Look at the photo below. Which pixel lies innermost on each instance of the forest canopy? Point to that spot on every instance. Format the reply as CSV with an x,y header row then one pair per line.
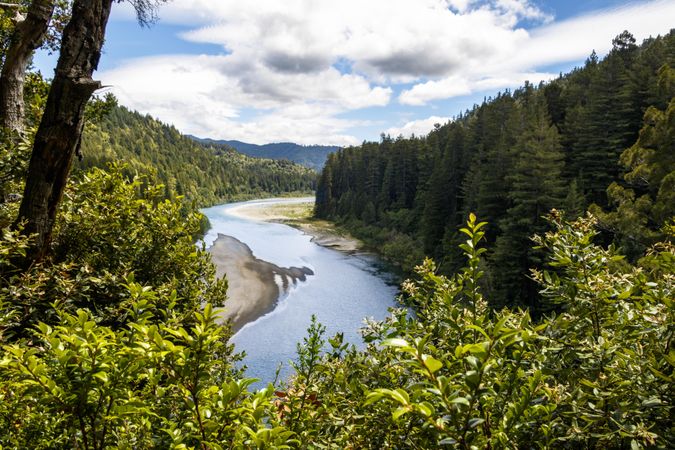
x,y
599,137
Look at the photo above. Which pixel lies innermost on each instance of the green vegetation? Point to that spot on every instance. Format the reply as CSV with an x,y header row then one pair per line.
x,y
456,373
512,159
312,156
108,337
199,172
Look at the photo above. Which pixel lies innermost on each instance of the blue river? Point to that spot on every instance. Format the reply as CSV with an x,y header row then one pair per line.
x,y
343,291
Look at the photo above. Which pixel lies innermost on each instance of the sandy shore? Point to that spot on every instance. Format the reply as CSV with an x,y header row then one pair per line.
x,y
254,285
298,215
253,290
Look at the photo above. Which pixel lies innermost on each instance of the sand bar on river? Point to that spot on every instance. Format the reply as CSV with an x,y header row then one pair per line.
x,y
254,285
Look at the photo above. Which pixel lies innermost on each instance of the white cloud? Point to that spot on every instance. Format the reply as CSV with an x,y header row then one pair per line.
x,y
566,41
423,93
203,95
387,40
276,78
574,39
420,127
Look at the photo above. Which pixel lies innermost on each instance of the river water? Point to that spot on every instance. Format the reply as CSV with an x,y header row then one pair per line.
x,y
343,291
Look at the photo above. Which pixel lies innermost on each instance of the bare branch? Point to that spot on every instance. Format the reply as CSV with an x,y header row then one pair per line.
x,y
9,5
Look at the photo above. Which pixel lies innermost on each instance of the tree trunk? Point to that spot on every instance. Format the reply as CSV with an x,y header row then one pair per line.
x,y
28,35
60,130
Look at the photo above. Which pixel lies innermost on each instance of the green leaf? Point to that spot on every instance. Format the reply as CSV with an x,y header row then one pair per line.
x,y
432,363
398,412
460,401
479,329
373,397
473,423
400,396
425,408
395,342
101,376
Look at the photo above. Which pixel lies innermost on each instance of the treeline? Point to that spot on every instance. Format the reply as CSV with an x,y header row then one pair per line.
x,y
514,158
199,172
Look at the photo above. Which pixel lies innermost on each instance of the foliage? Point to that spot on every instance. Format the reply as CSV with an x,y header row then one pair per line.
x,y
109,231
92,358
455,373
510,160
611,348
83,385
199,172
647,199
460,375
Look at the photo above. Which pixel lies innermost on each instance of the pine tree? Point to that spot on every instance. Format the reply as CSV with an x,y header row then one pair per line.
x,y
647,200
441,205
536,186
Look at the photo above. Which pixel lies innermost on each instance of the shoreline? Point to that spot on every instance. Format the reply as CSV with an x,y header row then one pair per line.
x,y
253,290
255,286
297,215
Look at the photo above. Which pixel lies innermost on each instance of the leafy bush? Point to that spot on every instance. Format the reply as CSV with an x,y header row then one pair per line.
x,y
146,368
455,373
83,385
108,233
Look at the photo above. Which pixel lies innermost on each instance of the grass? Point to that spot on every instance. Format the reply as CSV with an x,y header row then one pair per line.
x,y
301,212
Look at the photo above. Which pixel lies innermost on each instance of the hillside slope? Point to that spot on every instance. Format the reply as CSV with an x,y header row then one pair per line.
x,y
204,173
514,158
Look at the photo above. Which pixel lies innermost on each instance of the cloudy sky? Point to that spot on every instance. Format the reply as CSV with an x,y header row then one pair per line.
x,y
340,72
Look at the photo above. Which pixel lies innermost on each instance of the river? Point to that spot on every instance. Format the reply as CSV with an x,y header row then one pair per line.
x,y
343,291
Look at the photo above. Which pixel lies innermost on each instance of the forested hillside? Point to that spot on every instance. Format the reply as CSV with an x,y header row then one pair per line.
x,y
204,173
312,156
514,158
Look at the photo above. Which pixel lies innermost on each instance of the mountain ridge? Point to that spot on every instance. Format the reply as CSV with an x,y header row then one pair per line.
x,y
312,156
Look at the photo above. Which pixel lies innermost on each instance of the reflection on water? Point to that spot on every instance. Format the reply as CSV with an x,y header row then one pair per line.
x,y
344,290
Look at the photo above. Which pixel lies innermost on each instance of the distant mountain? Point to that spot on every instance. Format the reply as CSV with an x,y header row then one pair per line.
x,y
312,156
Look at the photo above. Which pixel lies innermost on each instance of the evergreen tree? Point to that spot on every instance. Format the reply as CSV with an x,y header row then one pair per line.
x,y
583,121
536,186
647,200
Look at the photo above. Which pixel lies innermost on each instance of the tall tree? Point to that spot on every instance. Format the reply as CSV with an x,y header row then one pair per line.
x,y
536,186
647,198
58,136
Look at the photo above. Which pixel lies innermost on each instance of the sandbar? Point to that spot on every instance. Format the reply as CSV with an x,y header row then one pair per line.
x,y
252,288
298,215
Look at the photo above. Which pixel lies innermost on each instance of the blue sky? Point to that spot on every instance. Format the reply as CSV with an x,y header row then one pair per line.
x,y
327,72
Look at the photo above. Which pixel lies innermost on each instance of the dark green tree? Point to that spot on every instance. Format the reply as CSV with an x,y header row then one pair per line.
x,y
535,187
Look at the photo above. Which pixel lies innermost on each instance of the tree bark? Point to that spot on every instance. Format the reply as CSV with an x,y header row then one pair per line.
x,y
28,35
60,130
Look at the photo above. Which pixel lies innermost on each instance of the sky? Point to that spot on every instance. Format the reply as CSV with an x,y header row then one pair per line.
x,y
341,72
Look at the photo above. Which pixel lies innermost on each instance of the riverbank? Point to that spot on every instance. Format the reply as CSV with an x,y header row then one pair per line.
x,y
345,289
254,285
299,215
